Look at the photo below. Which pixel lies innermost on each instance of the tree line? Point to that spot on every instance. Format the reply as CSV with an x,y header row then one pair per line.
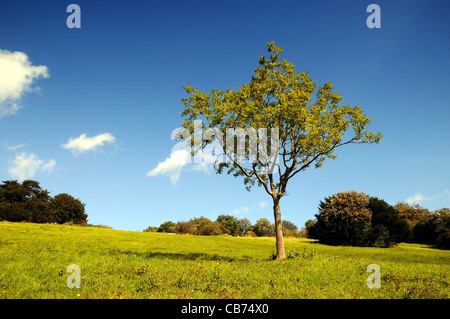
x,y
346,218
352,218
28,202
226,225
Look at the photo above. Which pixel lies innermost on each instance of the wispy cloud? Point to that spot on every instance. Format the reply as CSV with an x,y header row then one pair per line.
x,y
171,166
83,144
25,166
419,197
262,204
16,76
12,147
241,210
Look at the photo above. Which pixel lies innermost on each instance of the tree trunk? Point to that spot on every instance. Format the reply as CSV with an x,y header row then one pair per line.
x,y
278,229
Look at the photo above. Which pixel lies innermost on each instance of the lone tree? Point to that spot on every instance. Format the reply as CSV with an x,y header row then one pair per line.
x,y
277,100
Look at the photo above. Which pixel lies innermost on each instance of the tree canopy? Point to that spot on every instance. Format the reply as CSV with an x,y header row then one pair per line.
x,y
282,112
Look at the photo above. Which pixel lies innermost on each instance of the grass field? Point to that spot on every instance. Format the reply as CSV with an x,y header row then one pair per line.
x,y
123,264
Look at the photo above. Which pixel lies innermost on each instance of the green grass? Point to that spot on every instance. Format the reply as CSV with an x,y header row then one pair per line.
x,y
123,264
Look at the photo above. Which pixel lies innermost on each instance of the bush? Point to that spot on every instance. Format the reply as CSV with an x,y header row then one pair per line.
x,y
28,202
396,229
263,227
412,214
167,227
434,230
343,219
311,229
231,223
150,229
186,228
65,208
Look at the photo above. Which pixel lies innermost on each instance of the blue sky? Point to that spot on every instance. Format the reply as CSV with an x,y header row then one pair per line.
x,y
114,87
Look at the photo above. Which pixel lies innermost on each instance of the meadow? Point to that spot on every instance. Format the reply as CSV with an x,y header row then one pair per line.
x,y
126,264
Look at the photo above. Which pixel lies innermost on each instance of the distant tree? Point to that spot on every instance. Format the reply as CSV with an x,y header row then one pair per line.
x,y
395,229
65,208
231,223
311,229
186,228
25,201
434,230
150,229
263,227
167,227
212,229
412,214
244,225
344,219
289,225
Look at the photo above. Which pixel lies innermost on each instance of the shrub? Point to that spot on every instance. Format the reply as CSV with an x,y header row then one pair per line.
x,y
65,208
231,223
263,227
343,219
150,229
167,227
412,214
212,229
311,229
396,229
435,229
186,228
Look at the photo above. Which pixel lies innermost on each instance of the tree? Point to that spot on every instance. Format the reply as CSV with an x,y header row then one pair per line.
x,y
66,208
231,223
263,227
25,201
244,226
412,214
386,215
212,229
277,101
186,228
167,227
434,230
344,219
311,229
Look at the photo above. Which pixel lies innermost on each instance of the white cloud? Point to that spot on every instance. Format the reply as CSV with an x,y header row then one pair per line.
x,y
25,166
16,76
171,166
84,144
241,210
419,197
262,204
12,147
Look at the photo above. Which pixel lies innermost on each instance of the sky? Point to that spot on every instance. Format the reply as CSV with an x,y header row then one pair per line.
x,y
90,111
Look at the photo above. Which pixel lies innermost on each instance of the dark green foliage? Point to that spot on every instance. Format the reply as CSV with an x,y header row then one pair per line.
x,y
435,229
232,224
66,209
395,229
167,227
201,226
343,219
311,229
28,202
263,228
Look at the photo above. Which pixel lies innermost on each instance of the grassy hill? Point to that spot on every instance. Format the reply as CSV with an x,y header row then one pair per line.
x,y
123,264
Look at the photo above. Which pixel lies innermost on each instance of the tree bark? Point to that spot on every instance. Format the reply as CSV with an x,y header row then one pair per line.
x,y
278,229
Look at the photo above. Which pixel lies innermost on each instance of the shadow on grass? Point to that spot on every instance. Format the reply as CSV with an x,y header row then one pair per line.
x,y
177,256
